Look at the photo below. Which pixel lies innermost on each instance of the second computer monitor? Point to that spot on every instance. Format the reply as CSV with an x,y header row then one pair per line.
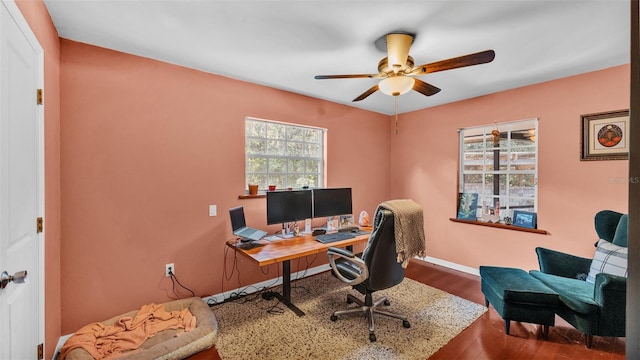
x,y
288,206
331,202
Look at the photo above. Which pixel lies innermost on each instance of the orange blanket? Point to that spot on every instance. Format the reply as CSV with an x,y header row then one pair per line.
x,y
128,333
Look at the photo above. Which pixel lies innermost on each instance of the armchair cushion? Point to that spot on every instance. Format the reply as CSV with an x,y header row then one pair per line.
x,y
575,294
609,259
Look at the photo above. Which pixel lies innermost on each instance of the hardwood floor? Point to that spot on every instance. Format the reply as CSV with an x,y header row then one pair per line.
x,y
485,338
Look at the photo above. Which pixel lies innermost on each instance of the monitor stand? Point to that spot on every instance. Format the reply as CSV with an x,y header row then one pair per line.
x,y
286,233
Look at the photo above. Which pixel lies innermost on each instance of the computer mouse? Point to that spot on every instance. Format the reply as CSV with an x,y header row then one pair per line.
x,y
354,231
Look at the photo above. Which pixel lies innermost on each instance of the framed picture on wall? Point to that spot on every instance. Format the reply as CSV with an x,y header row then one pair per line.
x,y
605,136
525,219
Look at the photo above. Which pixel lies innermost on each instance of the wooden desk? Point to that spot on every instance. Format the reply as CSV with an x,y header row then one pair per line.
x,y
266,252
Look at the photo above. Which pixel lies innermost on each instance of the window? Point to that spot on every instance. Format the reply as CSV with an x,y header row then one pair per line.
x,y
284,155
500,163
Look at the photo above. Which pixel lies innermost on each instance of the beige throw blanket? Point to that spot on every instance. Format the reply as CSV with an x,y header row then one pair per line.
x,y
409,228
128,333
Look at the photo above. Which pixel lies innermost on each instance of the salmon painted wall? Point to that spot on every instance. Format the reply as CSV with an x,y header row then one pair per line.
x,y
146,148
37,16
570,191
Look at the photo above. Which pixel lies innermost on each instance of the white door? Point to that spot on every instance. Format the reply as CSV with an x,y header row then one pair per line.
x,y
21,187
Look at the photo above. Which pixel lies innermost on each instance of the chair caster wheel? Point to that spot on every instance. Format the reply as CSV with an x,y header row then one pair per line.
x,y
387,303
406,324
372,337
333,318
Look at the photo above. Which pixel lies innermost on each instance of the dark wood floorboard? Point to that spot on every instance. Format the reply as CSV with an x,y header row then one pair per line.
x,y
485,338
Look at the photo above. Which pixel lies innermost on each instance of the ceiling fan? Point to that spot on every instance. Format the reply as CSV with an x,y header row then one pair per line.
x,y
398,72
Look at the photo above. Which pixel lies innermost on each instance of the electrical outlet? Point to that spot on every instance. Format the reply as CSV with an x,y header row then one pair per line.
x,y
169,268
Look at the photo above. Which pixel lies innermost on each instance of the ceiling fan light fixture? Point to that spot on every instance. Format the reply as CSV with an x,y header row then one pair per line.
x,y
396,85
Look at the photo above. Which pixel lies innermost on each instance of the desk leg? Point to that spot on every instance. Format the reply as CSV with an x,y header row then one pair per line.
x,y
285,297
286,282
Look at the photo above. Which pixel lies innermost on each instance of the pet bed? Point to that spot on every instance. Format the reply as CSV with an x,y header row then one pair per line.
x,y
165,345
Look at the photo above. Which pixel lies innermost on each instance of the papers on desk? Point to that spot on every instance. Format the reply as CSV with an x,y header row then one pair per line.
x,y
280,237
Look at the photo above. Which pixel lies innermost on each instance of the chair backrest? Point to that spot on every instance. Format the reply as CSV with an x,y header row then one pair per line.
x,y
612,226
380,253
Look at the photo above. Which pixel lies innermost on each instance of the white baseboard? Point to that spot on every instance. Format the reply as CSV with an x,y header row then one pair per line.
x,y
61,342
450,265
250,289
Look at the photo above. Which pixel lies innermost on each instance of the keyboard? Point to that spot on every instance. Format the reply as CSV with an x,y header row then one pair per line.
x,y
333,237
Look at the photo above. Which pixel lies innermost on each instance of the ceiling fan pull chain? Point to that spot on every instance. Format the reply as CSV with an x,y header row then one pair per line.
x,y
396,114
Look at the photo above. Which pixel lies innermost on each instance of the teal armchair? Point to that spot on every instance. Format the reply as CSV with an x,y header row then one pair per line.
x,y
593,308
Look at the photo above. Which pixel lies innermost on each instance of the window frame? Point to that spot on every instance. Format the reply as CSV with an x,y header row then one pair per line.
x,y
484,131
321,159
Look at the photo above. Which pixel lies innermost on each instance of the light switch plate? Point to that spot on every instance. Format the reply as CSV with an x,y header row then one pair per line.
x,y
213,210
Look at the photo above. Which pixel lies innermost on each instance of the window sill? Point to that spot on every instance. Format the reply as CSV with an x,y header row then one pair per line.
x,y
500,226
247,196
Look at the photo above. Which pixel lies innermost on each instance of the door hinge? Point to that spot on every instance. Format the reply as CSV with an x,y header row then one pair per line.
x,y
39,225
40,351
39,97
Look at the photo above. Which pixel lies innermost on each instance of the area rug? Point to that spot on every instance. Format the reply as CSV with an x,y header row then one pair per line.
x,y
254,329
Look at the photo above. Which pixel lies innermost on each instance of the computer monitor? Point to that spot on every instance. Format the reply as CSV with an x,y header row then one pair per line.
x,y
289,205
332,202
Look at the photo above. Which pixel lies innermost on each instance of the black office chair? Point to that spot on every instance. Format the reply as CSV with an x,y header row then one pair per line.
x,y
378,269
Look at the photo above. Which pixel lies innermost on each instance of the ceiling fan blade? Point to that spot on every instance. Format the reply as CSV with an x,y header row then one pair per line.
x,y
362,96
457,62
425,88
353,76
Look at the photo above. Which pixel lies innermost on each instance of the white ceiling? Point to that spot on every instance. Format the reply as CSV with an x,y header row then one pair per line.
x,y
283,44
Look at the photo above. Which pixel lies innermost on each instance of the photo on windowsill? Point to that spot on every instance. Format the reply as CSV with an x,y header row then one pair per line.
x,y
467,206
525,219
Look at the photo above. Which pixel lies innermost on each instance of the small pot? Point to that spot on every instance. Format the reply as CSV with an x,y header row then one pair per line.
x,y
272,187
253,189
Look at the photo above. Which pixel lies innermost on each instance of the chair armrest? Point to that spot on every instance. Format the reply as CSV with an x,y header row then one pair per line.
x,y
340,251
562,264
610,292
345,262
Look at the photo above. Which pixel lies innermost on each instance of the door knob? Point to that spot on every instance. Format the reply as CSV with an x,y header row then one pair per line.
x,y
18,277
